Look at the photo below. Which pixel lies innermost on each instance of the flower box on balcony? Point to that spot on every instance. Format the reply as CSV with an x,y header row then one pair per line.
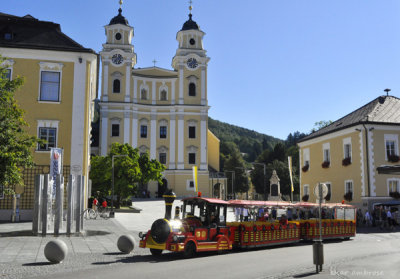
x,y
326,164
305,168
393,158
346,161
305,198
395,195
348,196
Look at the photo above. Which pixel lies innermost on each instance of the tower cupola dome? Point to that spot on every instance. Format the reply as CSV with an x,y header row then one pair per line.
x,y
190,24
119,19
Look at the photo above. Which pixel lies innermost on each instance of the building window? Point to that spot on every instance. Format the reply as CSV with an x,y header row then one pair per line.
x,y
7,74
192,158
192,89
50,86
349,187
115,130
163,95
163,132
347,151
189,185
143,131
390,148
48,135
393,185
143,94
192,132
327,156
306,189
163,158
117,86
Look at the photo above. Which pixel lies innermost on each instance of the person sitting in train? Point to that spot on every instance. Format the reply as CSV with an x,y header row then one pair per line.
x,y
289,214
273,213
283,220
245,214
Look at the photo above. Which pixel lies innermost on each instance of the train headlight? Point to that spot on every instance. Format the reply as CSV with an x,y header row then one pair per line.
x,y
175,238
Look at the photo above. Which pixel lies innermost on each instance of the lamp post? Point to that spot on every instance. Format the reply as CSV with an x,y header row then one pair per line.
x,y
233,178
265,177
112,213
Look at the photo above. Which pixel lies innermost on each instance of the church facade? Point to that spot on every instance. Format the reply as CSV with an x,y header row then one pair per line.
x,y
163,112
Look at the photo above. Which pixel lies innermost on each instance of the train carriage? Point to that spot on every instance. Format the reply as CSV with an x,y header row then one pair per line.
x,y
209,224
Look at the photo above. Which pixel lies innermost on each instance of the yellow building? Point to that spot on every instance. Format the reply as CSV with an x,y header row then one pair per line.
x,y
160,111
348,154
57,96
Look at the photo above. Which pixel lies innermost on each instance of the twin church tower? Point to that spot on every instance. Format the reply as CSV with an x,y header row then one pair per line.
x,y
159,111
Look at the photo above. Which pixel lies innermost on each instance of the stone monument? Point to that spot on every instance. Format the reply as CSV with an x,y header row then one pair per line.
x,y
274,188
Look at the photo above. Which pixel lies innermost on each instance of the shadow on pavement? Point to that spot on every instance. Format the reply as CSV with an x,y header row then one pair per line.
x,y
17,233
38,264
302,275
94,233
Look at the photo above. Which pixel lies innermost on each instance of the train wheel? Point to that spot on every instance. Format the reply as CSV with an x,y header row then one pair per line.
x,y
190,250
155,252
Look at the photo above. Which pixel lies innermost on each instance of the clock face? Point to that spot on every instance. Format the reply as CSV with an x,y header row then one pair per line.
x,y
192,63
117,59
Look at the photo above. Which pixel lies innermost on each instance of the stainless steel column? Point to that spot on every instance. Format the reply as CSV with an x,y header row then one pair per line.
x,y
70,206
37,204
59,204
45,204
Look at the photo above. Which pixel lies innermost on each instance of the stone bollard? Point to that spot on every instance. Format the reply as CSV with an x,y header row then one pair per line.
x,y
126,243
56,251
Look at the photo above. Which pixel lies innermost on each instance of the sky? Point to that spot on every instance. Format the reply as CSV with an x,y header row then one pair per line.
x,y
277,66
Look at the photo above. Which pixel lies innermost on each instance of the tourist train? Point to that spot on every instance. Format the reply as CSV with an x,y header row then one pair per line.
x,y
210,224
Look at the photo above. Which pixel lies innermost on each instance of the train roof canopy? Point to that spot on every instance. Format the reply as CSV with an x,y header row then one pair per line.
x,y
209,200
246,203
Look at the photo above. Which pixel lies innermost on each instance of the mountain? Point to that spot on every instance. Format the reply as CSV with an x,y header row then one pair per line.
x,y
248,141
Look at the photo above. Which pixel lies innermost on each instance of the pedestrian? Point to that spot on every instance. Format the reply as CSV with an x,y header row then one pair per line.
x,y
367,218
383,218
237,214
389,218
95,203
245,214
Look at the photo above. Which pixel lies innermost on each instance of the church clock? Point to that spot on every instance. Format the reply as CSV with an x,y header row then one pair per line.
x,y
192,63
117,59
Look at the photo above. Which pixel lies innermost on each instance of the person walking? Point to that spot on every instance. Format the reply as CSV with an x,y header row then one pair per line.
x,y
367,218
95,203
389,219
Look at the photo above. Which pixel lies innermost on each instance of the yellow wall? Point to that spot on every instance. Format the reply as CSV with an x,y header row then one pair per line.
x,y
213,150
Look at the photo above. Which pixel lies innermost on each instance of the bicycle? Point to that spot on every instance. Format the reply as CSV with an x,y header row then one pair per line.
x,y
104,212
89,213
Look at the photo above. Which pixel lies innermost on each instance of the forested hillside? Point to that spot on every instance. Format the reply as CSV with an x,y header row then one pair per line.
x,y
248,141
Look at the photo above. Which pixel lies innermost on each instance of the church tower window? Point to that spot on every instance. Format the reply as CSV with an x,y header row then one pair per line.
x,y
117,86
143,94
192,89
163,95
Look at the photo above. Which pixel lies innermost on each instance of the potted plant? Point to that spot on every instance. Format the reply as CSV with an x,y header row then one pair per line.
x,y
395,195
305,198
305,168
326,164
393,158
348,196
346,161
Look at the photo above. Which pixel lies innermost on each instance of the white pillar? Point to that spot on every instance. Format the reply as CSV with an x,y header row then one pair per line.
x,y
127,115
153,134
105,81
203,142
128,83
104,132
203,85
180,84
135,92
172,142
173,92
134,128
181,140
153,92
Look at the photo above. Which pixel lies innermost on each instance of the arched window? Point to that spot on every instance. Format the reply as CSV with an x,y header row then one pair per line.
x,y
163,95
192,89
117,86
143,94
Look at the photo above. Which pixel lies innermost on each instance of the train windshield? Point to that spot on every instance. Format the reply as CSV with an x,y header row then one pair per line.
x,y
206,212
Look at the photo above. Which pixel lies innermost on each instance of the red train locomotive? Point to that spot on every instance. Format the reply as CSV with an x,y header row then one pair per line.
x,y
206,224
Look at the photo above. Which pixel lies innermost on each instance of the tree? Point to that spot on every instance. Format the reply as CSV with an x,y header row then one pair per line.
x,y
129,170
320,124
15,143
236,163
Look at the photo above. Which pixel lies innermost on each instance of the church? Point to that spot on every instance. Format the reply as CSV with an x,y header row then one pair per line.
x,y
163,112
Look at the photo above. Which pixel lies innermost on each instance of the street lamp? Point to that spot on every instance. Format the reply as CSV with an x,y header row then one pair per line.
x,y
265,178
233,178
112,213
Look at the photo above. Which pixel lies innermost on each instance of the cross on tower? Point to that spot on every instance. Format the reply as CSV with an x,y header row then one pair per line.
x,y
190,6
154,62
